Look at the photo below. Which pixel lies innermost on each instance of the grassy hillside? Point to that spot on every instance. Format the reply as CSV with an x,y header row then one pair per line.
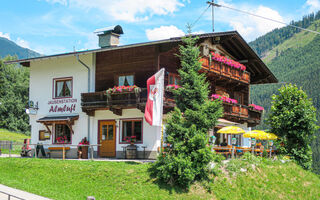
x,y
8,47
17,138
12,136
59,179
295,60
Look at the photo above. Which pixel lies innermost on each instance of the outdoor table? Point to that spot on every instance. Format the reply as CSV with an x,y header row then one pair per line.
x,y
222,150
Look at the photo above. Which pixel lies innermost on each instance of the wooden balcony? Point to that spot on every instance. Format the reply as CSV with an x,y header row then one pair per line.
x,y
241,113
116,102
254,116
91,102
223,70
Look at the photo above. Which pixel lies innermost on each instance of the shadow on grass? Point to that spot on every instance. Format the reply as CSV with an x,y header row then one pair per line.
x,y
132,163
162,185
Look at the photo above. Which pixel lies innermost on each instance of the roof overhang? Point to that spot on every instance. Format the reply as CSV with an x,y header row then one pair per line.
x,y
231,41
59,119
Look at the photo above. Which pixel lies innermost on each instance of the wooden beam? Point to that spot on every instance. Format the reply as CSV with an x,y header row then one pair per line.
x,y
46,125
69,124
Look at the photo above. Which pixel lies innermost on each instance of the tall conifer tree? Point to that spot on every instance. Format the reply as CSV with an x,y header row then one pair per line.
x,y
188,125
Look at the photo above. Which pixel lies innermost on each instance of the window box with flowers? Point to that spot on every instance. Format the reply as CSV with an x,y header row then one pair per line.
x,y
223,99
121,94
256,107
222,59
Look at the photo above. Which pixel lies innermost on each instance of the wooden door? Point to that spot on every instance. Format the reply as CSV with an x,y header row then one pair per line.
x,y
107,137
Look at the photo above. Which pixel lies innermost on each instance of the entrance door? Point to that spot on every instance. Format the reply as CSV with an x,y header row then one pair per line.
x,y
107,135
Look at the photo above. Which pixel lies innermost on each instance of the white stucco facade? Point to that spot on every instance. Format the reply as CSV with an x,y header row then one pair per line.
x,y
43,74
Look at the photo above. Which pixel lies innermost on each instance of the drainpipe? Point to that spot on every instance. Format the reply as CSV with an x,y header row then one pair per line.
x,y
88,68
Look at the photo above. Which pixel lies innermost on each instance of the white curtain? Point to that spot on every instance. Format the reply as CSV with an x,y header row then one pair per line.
x,y
121,80
59,88
130,80
69,86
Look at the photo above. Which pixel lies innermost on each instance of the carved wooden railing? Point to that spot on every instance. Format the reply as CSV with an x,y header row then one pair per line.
x,y
225,70
116,102
236,110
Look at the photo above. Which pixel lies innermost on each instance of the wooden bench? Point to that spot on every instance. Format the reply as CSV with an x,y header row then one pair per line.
x,y
63,149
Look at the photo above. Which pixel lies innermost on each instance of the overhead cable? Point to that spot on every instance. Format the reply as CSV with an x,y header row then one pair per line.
x,y
266,18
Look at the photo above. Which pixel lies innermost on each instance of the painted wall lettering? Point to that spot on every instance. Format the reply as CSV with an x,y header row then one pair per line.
x,y
65,108
61,101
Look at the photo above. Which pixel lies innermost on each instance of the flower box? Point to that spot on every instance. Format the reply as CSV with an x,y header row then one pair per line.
x,y
172,87
224,99
227,61
123,89
256,107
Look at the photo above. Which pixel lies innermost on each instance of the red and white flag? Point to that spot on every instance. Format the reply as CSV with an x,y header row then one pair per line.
x,y
154,106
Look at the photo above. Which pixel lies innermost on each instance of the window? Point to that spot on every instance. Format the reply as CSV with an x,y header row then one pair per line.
x,y
127,80
239,97
62,134
173,79
63,88
132,128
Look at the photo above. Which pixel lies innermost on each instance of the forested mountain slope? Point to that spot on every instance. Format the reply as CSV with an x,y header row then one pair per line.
x,y
293,58
8,47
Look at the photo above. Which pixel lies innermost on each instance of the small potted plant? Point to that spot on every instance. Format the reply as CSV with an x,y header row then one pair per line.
x,y
83,150
131,149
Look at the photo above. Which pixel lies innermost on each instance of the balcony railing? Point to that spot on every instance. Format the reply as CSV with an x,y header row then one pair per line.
x,y
101,100
116,102
225,70
241,113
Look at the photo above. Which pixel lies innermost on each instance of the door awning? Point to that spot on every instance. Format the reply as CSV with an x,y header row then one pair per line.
x,y
60,119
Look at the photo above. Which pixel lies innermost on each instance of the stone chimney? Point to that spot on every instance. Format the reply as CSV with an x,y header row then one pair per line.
x,y
109,36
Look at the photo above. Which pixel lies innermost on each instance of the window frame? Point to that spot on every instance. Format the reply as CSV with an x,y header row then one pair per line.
x,y
121,129
54,87
175,77
54,134
125,74
241,97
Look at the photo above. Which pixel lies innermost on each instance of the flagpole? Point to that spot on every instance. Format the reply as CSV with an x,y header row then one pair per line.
x,y
161,145
161,140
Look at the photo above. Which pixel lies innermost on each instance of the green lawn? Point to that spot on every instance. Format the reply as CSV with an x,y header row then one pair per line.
x,y
73,179
15,137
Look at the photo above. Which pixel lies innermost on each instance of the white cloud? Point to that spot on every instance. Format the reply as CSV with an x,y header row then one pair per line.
x,y
312,5
126,10
5,35
19,41
250,27
22,43
164,32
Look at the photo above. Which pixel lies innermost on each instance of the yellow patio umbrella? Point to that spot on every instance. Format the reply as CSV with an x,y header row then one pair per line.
x,y
260,135
272,136
254,134
231,130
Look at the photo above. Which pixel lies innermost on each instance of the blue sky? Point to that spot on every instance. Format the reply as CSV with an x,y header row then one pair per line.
x,y
58,26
